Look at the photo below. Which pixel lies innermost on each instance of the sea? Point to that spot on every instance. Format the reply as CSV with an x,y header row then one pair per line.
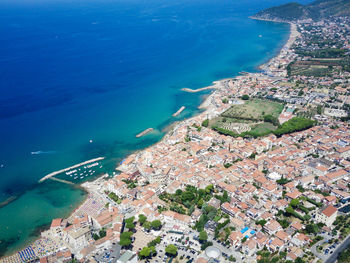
x,y
80,78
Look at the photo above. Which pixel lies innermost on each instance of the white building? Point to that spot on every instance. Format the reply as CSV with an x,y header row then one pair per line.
x,y
327,215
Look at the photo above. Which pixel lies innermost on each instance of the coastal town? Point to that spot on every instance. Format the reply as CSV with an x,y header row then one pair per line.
x,y
261,175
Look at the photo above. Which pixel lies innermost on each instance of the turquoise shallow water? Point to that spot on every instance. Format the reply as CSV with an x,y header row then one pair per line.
x,y
105,70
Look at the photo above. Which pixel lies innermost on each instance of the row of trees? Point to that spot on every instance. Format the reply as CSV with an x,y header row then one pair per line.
x,y
155,224
293,125
150,250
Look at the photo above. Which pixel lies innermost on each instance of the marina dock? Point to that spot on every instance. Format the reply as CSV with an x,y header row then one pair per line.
x,y
179,111
70,168
144,132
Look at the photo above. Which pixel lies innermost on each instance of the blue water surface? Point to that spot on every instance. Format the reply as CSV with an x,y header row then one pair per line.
x,y
104,70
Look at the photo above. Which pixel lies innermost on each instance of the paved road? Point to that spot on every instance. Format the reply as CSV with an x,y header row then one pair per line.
x,y
339,249
314,251
313,248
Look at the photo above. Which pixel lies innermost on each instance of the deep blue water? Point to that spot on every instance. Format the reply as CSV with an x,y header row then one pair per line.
x,y
71,71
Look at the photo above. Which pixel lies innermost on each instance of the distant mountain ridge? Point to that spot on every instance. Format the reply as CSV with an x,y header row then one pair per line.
x,y
316,10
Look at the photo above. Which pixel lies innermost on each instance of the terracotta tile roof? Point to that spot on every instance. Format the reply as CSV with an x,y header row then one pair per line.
x,y
329,211
56,222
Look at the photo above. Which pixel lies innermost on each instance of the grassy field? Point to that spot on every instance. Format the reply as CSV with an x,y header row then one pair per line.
x,y
254,110
263,128
248,119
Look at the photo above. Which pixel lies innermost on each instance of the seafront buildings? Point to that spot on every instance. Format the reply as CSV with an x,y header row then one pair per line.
x,y
197,188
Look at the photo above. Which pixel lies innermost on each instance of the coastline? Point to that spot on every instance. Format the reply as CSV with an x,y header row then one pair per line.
x,y
292,37
38,231
206,105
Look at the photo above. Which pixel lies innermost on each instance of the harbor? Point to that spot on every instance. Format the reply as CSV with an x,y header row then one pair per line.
x,y
68,170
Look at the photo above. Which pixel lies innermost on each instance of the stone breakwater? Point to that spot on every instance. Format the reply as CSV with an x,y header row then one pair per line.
x,y
69,168
144,132
179,111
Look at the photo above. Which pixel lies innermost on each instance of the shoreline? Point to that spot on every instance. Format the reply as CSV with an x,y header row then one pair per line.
x,y
205,106
44,227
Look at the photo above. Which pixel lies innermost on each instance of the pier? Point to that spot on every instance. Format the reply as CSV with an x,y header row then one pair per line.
x,y
144,132
179,111
198,90
69,168
61,180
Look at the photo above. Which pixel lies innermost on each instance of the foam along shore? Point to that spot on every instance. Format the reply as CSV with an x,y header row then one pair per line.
x,y
69,168
179,111
144,132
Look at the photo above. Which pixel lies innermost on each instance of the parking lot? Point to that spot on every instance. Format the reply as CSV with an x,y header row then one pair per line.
x,y
187,251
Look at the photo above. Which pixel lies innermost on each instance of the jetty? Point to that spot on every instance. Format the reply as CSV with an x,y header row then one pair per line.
x,y
144,132
198,90
69,168
60,180
179,111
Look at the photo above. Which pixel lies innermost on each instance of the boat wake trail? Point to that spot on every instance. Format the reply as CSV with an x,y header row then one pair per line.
x,y
43,152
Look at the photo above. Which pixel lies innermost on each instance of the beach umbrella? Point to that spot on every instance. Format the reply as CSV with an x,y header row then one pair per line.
x,y
21,256
31,251
26,254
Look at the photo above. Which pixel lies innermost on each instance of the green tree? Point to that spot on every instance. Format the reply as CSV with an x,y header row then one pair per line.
x,y
156,224
299,260
203,236
232,259
126,235
102,233
130,226
142,219
209,189
153,250
147,225
205,123
130,220
145,252
294,202
290,210
261,222
154,242
125,242
171,250
200,203
125,239
245,97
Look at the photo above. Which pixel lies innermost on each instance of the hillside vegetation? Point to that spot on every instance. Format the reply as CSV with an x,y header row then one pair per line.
x,y
316,10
